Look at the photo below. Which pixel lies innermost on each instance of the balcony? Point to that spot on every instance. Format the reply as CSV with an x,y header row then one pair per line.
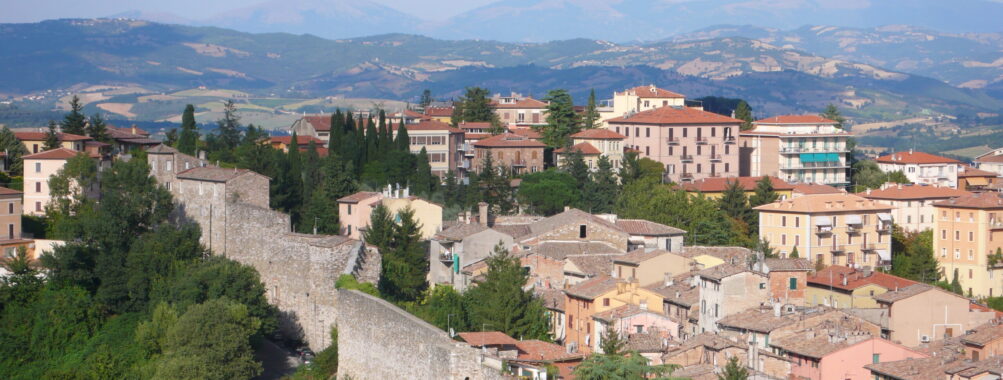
x,y
519,163
837,249
852,230
869,247
465,164
823,230
887,228
715,158
686,158
702,140
808,149
672,140
686,176
995,225
729,139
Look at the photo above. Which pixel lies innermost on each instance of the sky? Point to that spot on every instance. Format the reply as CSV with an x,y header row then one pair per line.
x,y
37,10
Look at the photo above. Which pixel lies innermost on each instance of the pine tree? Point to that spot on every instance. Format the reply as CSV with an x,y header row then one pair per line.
x,y
734,370
380,231
404,265
229,126
13,149
832,113
97,129
403,141
451,190
425,100
591,116
456,117
476,106
956,284
733,201
744,112
496,189
189,136
605,188
422,180
75,122
500,302
764,193
372,142
574,163
794,253
51,137
562,121
611,343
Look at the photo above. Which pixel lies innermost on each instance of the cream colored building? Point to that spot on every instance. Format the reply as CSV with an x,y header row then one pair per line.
x,y
638,99
922,168
650,266
836,229
796,148
38,168
441,141
913,204
354,211
517,110
597,142
967,232
34,142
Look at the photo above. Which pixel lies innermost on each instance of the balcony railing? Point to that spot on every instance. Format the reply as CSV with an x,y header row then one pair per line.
x,y
715,158
702,140
672,140
816,165
824,230
885,229
729,139
465,164
817,149
520,163
686,158
837,249
869,247
853,230
686,176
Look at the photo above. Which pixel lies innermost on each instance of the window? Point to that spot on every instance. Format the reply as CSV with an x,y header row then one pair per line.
x,y
647,132
38,187
943,234
38,206
10,208
971,235
533,154
957,253
349,209
726,165
582,232
684,131
626,131
647,151
605,301
783,221
876,358
957,235
637,131
699,166
943,252
793,283
717,309
971,254
783,239
797,221
10,231
639,328
38,167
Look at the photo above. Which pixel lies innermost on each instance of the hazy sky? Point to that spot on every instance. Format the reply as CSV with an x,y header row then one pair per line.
x,y
36,10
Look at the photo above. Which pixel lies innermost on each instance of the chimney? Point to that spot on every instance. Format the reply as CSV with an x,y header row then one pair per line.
x,y
467,216
566,208
776,310
910,150
668,278
643,305
482,216
844,280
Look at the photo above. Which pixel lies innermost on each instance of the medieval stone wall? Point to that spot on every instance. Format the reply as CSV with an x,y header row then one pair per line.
x,y
377,340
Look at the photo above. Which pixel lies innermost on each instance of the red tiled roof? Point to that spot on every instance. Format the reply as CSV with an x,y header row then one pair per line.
x,y
40,136
6,191
996,158
719,184
598,134
914,157
528,132
815,188
320,123
300,140
795,119
487,338
653,92
585,148
832,276
409,114
973,172
538,350
55,154
913,192
476,136
357,197
133,130
675,115
439,111
474,125
988,200
508,140
521,103
430,125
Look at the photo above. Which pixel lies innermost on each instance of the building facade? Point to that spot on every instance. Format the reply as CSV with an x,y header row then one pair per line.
x,y
796,148
510,151
967,234
639,99
442,143
913,204
38,168
691,143
922,168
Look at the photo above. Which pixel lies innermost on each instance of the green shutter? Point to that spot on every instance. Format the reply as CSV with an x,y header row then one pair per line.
x,y
793,283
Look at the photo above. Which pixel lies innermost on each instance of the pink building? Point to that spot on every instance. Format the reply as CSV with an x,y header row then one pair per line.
x,y
691,143
822,357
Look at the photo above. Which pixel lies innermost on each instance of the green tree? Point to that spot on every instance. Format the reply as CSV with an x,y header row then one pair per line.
x,y
210,341
154,257
422,180
734,202
794,253
867,175
495,187
425,100
475,106
734,370
547,192
603,188
67,186
189,137
562,121
832,113
321,210
380,231
704,222
744,112
764,193
956,284
97,129
13,149
591,116
404,264
171,137
611,343
22,282
228,127
897,177
444,309
633,168
51,137
500,302
628,366
75,122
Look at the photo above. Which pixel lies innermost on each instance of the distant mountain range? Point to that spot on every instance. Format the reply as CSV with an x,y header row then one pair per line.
x,y
778,71
610,20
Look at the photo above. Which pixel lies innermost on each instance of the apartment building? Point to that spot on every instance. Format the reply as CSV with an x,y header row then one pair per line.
x,y
598,295
922,168
38,167
10,222
728,289
691,143
967,233
639,99
34,142
516,110
607,142
924,313
913,204
442,142
972,179
518,153
843,287
796,148
318,126
835,229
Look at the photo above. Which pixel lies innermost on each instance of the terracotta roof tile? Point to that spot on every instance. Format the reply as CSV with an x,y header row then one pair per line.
x,y
898,192
474,125
795,119
915,157
358,197
598,134
719,272
429,125
6,191
994,158
645,342
538,350
528,103
561,250
982,335
680,292
439,111
987,200
320,123
824,203
487,338
720,184
592,288
552,298
816,188
674,115
893,295
728,254
593,265
40,136
527,132
586,149
914,369
639,255
832,276
624,311
641,227
650,91
759,320
508,140
55,154
454,233
968,171
788,265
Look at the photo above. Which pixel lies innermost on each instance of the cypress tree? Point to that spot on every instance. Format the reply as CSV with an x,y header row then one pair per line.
x,y
229,126
403,142
422,180
956,284
295,189
591,116
372,141
189,136
51,137
337,131
744,112
75,122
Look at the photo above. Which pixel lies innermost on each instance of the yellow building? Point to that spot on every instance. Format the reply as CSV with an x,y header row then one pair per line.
x,y
835,229
597,295
967,233
650,266
844,287
713,188
354,211
34,142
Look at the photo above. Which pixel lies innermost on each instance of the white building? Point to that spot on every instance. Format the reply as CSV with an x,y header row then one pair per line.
x,y
797,149
638,99
922,168
913,204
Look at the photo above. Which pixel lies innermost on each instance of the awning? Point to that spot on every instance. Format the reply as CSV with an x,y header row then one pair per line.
x,y
832,157
977,181
807,157
823,221
885,217
884,255
853,219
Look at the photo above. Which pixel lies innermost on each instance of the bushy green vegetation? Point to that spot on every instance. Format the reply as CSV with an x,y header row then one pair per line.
x,y
130,295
